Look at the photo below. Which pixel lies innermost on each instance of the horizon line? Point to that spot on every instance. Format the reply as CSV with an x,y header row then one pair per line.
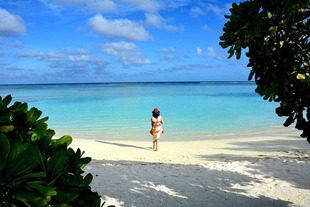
x,y
125,82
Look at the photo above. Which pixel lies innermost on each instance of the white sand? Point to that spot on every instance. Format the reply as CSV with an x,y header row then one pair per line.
x,y
257,170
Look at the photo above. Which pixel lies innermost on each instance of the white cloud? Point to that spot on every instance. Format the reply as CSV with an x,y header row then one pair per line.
x,y
199,51
69,2
175,3
157,21
123,28
106,6
52,56
79,58
219,11
196,11
145,5
11,25
80,55
67,60
101,5
168,54
206,28
154,20
16,44
191,67
127,53
117,6
211,52
29,54
52,6
168,50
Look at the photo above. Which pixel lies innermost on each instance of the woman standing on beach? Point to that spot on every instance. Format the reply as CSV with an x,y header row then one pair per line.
x,y
157,121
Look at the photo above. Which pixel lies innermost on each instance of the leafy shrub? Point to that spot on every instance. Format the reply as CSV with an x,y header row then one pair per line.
x,y
276,36
36,170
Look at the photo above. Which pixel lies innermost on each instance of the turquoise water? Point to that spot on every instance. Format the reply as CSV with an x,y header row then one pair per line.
x,y
118,111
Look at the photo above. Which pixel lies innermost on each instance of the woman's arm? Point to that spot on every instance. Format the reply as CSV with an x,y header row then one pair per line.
x,y
162,120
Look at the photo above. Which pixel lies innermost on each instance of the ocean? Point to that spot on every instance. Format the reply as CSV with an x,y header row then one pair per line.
x,y
122,111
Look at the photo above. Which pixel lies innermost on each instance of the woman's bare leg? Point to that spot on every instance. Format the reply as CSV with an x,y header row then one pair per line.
x,y
156,145
157,142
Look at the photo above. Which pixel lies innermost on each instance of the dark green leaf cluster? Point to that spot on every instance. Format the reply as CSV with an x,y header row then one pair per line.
x,y
276,34
36,170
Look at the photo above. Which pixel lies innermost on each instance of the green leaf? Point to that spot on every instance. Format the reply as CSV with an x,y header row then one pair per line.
x,y
41,202
273,29
7,100
2,106
39,131
58,163
283,111
64,140
6,128
68,194
22,159
40,186
84,161
251,75
19,107
269,15
301,76
4,150
231,52
5,117
32,115
4,146
43,120
27,196
60,144
289,121
87,180
25,178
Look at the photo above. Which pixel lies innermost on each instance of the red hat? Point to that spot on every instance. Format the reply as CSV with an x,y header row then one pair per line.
x,y
156,110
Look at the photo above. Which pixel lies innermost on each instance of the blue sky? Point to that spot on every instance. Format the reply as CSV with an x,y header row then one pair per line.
x,y
69,41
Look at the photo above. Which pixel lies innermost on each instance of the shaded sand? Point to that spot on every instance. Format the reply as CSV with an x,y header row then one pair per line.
x,y
257,170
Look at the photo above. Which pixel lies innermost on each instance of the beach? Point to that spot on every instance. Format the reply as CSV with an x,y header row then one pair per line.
x,y
263,169
223,145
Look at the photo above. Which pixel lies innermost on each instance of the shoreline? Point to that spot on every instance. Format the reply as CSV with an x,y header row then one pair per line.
x,y
273,130
265,144
189,152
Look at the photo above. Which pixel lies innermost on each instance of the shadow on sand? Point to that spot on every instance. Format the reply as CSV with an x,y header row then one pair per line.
x,y
124,145
142,184
288,155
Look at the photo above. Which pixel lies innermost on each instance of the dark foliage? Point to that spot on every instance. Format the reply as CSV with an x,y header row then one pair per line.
x,y
276,34
36,170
